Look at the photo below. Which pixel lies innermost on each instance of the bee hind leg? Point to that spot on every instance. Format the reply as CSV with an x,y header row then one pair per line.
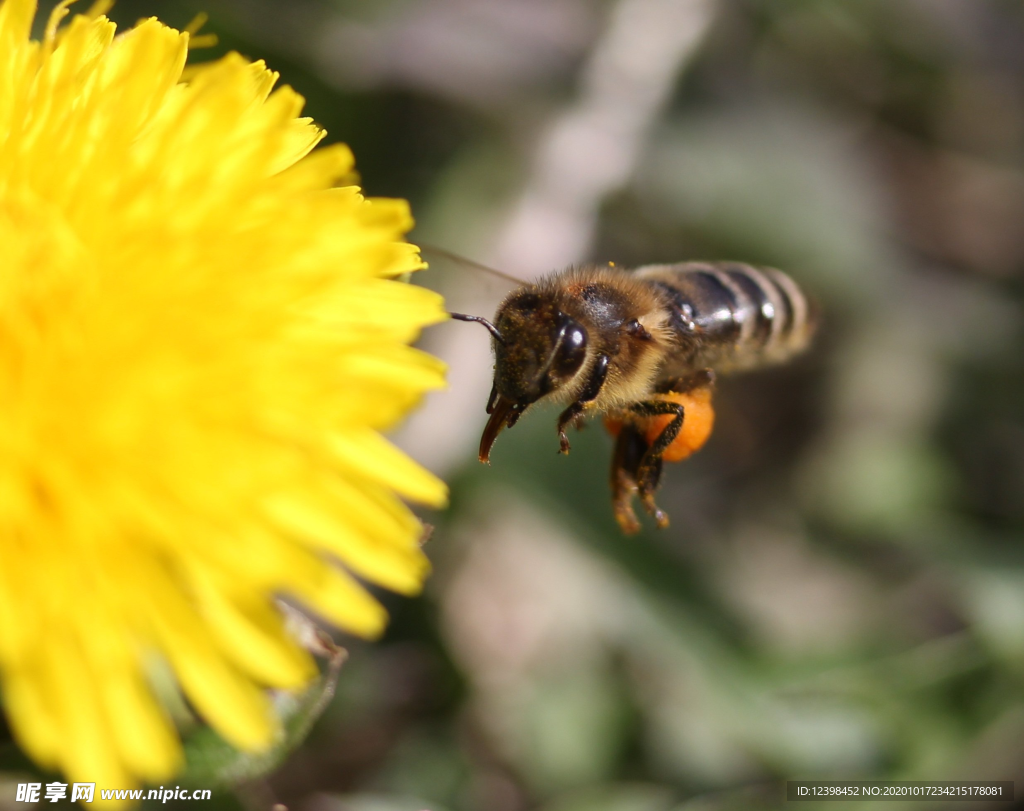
x,y
700,379
630,447
647,486
648,472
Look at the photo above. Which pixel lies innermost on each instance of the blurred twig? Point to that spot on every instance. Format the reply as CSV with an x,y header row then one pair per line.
x,y
593,147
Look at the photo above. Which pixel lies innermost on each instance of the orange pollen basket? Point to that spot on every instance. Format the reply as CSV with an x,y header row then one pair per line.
x,y
698,422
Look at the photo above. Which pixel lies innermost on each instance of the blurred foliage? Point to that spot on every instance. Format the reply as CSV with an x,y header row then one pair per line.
x,y
842,591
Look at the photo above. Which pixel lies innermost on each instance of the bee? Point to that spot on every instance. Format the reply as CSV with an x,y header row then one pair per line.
x,y
640,348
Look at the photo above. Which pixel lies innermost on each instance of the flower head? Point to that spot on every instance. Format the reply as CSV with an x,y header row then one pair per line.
x,y
200,340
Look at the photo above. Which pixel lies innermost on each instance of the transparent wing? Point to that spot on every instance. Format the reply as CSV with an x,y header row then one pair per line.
x,y
469,287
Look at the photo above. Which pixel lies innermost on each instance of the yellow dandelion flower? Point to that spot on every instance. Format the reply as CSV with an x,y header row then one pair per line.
x,y
200,340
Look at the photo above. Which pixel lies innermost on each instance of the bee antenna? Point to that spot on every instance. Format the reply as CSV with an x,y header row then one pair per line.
x,y
479,319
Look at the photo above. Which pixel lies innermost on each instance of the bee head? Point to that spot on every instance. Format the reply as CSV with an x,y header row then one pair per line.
x,y
540,351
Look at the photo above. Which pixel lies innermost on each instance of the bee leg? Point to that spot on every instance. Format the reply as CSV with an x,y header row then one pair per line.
x,y
630,447
649,470
590,391
698,380
648,481
570,415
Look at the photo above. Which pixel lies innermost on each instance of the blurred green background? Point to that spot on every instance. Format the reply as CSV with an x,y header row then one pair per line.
x,y
841,593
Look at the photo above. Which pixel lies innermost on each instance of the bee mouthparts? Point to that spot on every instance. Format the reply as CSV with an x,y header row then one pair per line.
x,y
504,413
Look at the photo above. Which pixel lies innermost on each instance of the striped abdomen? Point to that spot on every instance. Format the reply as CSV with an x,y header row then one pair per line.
x,y
733,316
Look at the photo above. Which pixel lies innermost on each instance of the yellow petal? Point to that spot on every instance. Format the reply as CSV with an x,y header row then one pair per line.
x,y
373,457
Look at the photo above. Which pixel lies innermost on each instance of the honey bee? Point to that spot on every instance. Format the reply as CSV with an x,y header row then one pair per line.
x,y
640,348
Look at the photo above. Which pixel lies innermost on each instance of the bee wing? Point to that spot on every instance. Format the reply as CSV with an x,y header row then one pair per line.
x,y
467,286
441,253
443,432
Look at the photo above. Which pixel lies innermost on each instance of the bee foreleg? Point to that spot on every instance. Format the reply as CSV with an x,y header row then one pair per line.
x,y
595,381
648,475
570,415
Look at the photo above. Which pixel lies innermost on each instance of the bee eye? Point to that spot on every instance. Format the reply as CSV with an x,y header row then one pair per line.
x,y
571,352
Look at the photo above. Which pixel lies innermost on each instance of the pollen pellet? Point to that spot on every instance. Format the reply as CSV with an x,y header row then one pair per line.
x,y
698,422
